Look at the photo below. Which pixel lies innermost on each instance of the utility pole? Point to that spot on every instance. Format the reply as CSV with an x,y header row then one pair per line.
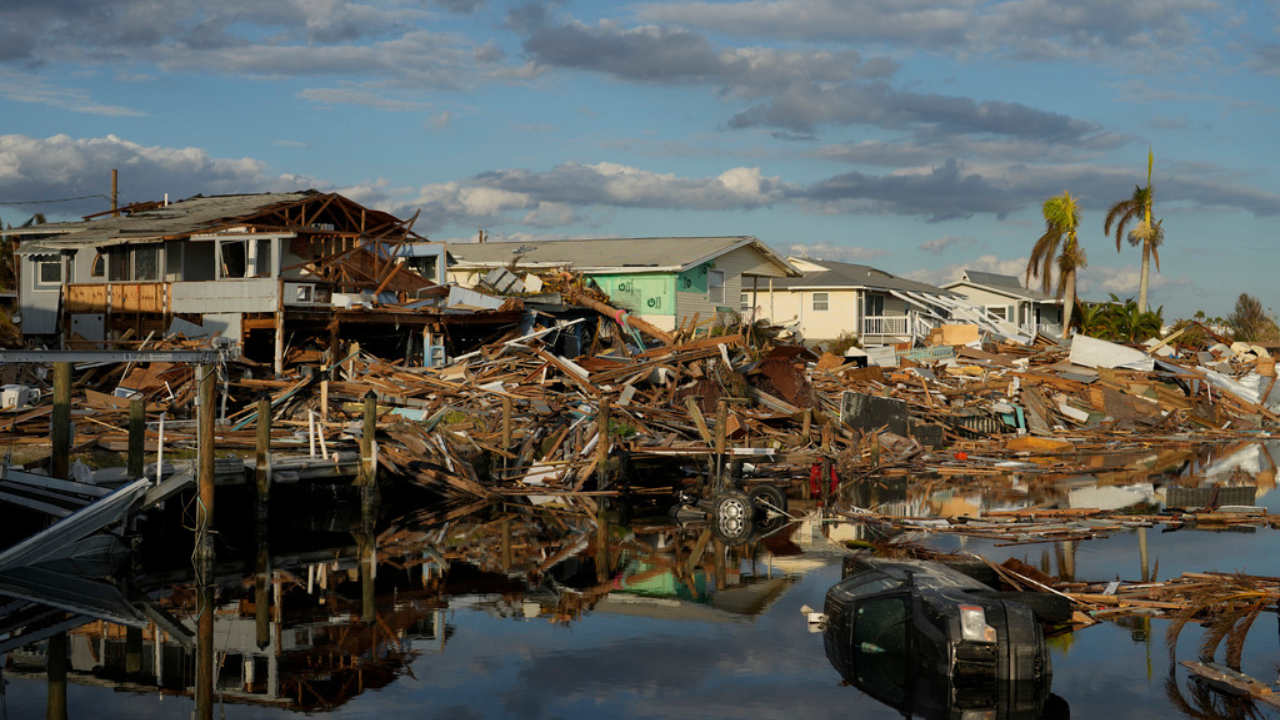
x,y
115,193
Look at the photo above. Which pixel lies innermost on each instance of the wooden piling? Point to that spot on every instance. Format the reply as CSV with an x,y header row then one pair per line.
x,y
719,469
137,438
204,545
261,590
262,471
368,473
56,673
60,421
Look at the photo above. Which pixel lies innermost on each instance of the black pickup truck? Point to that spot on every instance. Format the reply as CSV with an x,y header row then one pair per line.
x,y
918,634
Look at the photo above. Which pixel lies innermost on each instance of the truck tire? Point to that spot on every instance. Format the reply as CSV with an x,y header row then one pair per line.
x,y
772,497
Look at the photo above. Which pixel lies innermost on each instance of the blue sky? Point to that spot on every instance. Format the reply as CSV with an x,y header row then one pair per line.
x,y
919,137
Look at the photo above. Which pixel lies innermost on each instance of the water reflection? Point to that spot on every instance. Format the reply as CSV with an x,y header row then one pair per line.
x,y
315,611
316,627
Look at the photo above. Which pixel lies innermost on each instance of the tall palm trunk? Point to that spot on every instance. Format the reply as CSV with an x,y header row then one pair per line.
x,y
1146,274
1069,301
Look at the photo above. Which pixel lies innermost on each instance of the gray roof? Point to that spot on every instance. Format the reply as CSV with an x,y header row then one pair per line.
x,y
849,275
662,254
185,217
1004,284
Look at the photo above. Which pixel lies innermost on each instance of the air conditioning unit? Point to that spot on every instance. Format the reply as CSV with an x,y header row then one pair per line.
x,y
18,396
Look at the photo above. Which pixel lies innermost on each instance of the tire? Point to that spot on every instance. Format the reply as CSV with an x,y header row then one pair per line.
x,y
732,517
1048,608
767,497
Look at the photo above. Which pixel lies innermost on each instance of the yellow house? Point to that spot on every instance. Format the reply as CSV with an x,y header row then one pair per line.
x,y
832,298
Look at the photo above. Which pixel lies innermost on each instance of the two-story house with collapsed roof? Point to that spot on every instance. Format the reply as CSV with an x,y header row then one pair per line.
x,y
264,270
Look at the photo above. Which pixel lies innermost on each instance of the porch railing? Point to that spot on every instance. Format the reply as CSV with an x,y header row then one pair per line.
x,y
886,325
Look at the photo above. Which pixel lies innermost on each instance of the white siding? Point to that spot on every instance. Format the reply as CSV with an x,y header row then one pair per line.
x,y
734,265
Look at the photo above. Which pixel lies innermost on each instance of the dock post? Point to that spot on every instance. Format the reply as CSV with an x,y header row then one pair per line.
x,y
262,589
506,432
60,421
204,545
366,480
722,435
56,669
367,473
137,438
132,650
602,543
262,469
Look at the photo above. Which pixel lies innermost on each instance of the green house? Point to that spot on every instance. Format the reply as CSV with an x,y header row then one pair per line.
x,y
667,281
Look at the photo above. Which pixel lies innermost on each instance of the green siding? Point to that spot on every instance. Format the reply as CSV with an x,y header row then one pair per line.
x,y
695,279
642,293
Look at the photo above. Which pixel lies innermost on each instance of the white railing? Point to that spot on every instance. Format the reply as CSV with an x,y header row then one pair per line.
x,y
921,326
1033,328
885,325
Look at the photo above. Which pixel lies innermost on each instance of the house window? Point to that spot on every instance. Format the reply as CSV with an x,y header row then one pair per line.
x,y
821,301
715,286
146,263
99,267
263,259
49,271
233,258
744,302
1000,311
873,306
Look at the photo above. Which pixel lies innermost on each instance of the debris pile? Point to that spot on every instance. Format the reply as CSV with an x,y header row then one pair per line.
x,y
520,415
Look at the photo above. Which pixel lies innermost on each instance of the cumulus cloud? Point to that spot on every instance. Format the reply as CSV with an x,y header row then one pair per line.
x,y
925,23
942,193
61,167
939,245
984,263
1098,282
394,42
1146,33
542,196
660,54
805,107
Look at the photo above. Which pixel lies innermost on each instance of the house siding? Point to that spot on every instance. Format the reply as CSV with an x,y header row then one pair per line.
x,y
696,300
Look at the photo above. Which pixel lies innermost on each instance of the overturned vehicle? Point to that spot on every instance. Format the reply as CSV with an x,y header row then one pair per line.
x,y
934,642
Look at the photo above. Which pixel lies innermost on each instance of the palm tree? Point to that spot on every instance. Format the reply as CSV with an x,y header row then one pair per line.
x,y
1061,221
1148,235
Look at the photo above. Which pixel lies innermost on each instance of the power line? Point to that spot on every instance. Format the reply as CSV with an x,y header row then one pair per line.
x,y
45,202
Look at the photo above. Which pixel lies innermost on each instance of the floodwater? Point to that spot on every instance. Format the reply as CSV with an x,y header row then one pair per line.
x,y
581,611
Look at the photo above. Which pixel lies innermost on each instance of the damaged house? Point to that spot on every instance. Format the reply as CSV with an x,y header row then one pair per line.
x,y
669,282
270,271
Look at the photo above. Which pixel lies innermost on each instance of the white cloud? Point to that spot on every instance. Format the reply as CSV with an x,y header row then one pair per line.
x,y
939,245
835,252
984,263
26,88
439,121
61,166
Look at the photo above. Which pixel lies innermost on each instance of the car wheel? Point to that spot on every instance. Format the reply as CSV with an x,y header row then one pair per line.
x,y
1048,608
767,497
731,517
